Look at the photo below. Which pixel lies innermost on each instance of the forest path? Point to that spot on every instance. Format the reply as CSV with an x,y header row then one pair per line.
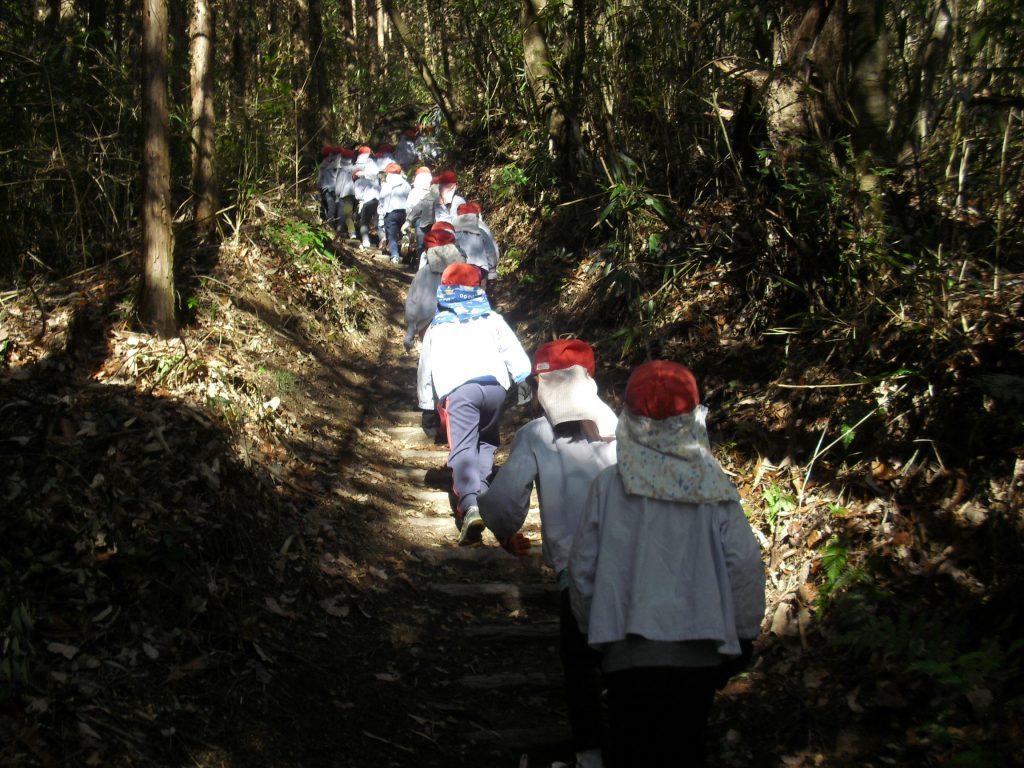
x,y
481,633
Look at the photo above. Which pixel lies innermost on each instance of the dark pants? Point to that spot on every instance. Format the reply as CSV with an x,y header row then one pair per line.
x,y
393,222
473,415
367,215
581,665
659,715
328,206
347,215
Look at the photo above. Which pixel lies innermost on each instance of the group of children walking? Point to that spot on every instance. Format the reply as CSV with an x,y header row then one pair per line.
x,y
662,584
364,190
660,575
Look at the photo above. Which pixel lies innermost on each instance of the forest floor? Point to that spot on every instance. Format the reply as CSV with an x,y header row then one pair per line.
x,y
235,549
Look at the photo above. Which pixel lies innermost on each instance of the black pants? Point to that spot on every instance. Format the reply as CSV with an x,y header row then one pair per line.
x,y
659,715
581,665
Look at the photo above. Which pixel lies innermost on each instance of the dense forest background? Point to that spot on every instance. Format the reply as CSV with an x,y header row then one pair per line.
x,y
816,204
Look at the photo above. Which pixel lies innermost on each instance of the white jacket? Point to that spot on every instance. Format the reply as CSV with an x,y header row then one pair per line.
x,y
562,467
367,187
344,186
328,171
420,206
455,353
475,239
675,561
394,193
442,212
664,570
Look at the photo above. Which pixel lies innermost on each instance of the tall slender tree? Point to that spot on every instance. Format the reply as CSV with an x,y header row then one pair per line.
x,y
204,119
156,297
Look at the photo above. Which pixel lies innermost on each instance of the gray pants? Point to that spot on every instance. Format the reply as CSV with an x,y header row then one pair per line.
x,y
472,413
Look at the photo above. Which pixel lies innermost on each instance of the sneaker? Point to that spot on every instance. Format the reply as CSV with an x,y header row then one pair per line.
x,y
472,528
395,260
365,243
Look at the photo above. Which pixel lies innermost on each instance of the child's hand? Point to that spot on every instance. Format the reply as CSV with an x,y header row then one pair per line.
x,y
517,545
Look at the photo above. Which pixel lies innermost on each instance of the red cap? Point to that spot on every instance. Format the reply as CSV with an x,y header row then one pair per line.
x,y
422,169
564,353
392,168
438,237
385,148
469,208
364,150
442,226
461,273
326,150
347,153
662,389
445,177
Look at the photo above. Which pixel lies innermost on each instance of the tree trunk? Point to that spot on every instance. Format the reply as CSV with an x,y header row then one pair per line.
x,y
920,106
440,96
319,64
156,298
239,60
539,74
204,120
305,116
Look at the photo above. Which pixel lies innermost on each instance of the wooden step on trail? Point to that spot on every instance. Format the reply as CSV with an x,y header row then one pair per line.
x,y
482,555
433,458
494,589
412,436
522,739
511,680
545,630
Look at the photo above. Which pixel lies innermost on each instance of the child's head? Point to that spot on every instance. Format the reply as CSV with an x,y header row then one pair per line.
x,y
662,389
461,273
393,168
438,237
446,182
468,208
566,390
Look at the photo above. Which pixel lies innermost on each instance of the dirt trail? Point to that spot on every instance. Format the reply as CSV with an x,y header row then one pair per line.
x,y
474,629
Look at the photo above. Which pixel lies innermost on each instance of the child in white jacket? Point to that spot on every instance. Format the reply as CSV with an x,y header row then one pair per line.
x,y
560,452
420,204
394,194
448,201
469,359
367,190
345,193
665,574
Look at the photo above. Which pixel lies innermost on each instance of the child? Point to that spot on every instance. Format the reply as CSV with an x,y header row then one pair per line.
x,y
447,202
562,451
345,193
474,237
421,301
419,204
665,574
326,178
405,153
367,190
394,193
384,155
426,145
469,359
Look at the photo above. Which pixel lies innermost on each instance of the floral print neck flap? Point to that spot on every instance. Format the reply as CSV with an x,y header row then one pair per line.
x,y
670,459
